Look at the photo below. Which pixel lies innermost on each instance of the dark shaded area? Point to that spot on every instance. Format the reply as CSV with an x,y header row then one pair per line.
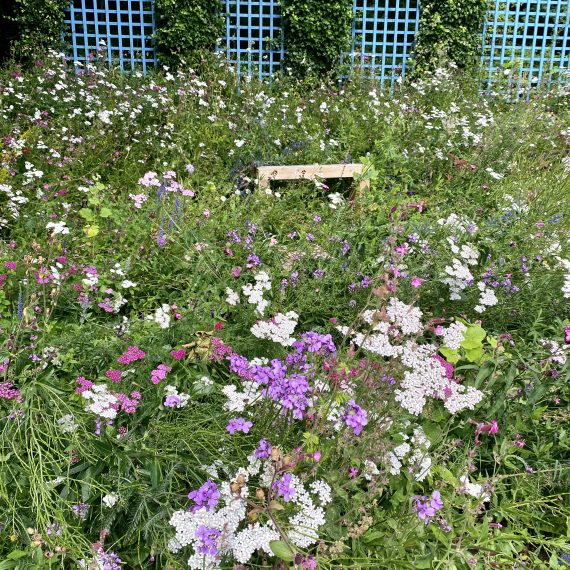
x,y
8,29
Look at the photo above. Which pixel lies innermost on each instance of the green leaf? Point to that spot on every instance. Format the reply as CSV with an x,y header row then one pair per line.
x,y
281,550
106,212
91,231
450,354
87,214
473,337
15,554
474,354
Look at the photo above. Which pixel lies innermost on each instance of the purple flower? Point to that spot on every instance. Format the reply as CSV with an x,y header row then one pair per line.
x,y
355,417
284,488
172,401
205,496
426,508
263,450
207,537
239,424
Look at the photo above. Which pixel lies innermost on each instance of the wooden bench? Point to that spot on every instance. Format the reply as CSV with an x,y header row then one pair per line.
x,y
266,174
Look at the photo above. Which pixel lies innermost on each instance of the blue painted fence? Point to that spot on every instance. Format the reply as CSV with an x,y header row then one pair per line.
x,y
120,31
527,41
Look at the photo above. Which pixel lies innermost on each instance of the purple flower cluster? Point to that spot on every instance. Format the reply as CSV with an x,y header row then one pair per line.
x,y
205,496
427,508
284,488
108,560
263,450
239,424
8,392
207,537
286,381
355,417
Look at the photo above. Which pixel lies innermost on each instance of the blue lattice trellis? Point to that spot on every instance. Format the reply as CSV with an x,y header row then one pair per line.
x,y
120,30
529,40
254,36
383,34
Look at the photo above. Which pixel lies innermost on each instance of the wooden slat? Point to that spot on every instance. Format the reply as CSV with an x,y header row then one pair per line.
x,y
308,171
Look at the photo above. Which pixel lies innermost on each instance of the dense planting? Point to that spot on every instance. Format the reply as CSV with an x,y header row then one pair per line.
x,y
197,374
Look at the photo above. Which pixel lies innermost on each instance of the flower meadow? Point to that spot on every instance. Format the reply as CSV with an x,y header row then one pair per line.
x,y
196,373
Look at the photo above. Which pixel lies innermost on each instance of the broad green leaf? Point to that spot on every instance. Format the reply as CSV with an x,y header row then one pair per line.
x,y
450,354
106,212
87,214
281,550
474,354
91,231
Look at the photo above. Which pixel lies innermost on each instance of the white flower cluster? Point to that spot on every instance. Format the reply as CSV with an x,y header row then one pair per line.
x,y
453,335
232,297
57,228
67,424
231,514
254,292
460,223
557,352
16,200
336,200
426,377
110,500
161,316
413,454
278,329
459,278
237,401
101,402
474,489
370,470
487,298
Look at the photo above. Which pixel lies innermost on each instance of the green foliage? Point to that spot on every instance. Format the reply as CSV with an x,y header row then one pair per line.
x,y
184,28
316,33
40,24
449,30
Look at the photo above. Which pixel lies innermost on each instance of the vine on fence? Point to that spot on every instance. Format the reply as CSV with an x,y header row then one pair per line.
x,y
39,25
450,30
184,28
316,33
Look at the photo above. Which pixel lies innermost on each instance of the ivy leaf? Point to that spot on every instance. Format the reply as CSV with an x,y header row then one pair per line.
x,y
281,550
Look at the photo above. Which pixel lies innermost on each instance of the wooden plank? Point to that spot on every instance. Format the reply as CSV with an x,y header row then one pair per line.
x,y
309,171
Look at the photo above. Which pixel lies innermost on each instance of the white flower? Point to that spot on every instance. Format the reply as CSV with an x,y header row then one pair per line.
x,y
110,500
232,297
239,143
57,228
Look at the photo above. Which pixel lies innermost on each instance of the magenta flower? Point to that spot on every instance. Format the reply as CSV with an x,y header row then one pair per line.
x,y
132,354
159,373
239,424
10,265
416,282
178,354
43,275
114,375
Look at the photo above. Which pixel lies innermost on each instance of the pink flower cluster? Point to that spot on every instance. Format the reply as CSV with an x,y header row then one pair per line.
x,y
82,385
8,392
129,405
132,354
159,373
178,354
114,375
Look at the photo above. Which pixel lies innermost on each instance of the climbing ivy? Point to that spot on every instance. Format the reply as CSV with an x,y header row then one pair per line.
x,y
316,33
39,25
450,30
184,28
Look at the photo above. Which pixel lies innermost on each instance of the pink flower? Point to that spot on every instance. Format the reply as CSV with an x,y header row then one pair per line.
x,y
416,282
159,373
317,456
10,265
132,354
236,272
353,472
43,275
403,249
178,354
114,375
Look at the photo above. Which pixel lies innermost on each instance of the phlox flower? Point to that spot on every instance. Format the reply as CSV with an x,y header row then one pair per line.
x,y
207,496
239,424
